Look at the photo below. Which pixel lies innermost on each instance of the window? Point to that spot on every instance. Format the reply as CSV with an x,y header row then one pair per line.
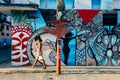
x,y
7,27
2,34
1,27
109,19
7,34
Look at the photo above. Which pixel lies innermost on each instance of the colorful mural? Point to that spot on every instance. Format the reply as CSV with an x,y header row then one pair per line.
x,y
20,35
94,39
68,47
22,20
48,49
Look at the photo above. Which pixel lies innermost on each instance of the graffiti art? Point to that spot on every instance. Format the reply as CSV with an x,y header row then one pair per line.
x,y
48,49
20,35
94,40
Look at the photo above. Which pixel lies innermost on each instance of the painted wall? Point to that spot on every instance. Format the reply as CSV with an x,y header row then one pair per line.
x,y
94,39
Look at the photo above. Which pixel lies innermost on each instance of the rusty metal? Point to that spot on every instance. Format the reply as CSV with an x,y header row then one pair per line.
x,y
58,31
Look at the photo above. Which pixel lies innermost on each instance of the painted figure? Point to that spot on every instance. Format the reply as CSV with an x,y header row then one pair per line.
x,y
38,41
66,49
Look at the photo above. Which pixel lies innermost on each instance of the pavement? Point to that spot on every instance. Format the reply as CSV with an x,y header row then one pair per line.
x,y
9,72
7,68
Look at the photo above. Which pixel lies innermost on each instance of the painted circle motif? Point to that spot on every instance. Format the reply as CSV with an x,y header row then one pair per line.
x,y
109,53
20,35
81,46
48,47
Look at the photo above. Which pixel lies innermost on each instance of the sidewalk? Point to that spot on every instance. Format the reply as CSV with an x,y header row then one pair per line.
x,y
8,72
8,69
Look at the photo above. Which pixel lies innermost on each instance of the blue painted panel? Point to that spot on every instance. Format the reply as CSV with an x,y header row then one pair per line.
x,y
68,47
39,22
118,17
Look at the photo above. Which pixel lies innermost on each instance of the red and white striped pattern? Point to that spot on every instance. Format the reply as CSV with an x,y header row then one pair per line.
x,y
20,35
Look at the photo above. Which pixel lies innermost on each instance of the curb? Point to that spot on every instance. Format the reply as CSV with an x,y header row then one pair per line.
x,y
64,69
